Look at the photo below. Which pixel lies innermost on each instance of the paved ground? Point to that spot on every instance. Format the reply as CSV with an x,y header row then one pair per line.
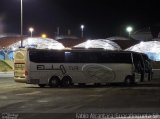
x,y
6,74
20,99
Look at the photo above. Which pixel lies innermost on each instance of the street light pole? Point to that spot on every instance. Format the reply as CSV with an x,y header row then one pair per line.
x,y
82,27
21,23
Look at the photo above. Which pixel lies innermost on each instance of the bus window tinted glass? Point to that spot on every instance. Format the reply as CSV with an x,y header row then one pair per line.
x,y
115,58
46,56
81,57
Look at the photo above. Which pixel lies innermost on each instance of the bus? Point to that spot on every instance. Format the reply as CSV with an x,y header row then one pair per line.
x,y
57,68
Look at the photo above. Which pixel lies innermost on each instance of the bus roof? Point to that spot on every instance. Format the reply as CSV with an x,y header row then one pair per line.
x,y
77,49
83,50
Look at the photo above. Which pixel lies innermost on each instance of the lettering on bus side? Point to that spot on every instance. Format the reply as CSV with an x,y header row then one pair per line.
x,y
73,68
43,67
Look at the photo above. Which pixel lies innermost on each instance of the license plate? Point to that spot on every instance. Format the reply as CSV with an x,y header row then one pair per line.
x,y
19,66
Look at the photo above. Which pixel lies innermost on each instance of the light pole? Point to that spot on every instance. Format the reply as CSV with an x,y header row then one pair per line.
x,y
129,29
82,27
31,30
21,23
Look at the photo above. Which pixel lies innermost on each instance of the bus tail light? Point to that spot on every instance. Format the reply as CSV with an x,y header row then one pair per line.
x,y
26,73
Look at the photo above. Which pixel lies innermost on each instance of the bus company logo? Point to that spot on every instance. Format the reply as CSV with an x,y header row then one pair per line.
x,y
98,72
9,116
60,68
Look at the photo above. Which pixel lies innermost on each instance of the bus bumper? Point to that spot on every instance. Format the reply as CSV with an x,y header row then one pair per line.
x,y
20,80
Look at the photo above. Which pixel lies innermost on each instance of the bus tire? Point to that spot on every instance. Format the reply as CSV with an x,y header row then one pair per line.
x,y
129,81
54,82
42,85
66,81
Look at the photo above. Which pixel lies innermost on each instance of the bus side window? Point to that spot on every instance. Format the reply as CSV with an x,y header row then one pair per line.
x,y
71,57
88,57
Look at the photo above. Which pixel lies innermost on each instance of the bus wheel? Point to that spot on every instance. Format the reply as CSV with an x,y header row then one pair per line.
x,y
54,82
42,85
66,81
129,81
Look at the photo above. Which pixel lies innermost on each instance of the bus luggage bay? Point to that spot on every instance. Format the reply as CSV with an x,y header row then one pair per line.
x,y
79,66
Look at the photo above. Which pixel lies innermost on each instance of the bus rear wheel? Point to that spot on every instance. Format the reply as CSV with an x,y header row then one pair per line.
x,y
66,81
54,82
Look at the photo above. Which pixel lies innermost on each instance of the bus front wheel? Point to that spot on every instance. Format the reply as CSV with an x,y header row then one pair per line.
x,y
129,81
54,82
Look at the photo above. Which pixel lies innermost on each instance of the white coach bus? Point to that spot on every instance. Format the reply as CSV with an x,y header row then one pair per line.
x,y
77,66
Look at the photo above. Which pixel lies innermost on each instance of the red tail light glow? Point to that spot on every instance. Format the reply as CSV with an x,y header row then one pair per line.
x,y
26,73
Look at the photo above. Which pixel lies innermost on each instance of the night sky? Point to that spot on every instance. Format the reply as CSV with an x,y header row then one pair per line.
x,y
102,18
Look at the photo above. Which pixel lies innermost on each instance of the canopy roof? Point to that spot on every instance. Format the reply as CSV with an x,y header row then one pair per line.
x,y
117,38
151,48
99,43
40,43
